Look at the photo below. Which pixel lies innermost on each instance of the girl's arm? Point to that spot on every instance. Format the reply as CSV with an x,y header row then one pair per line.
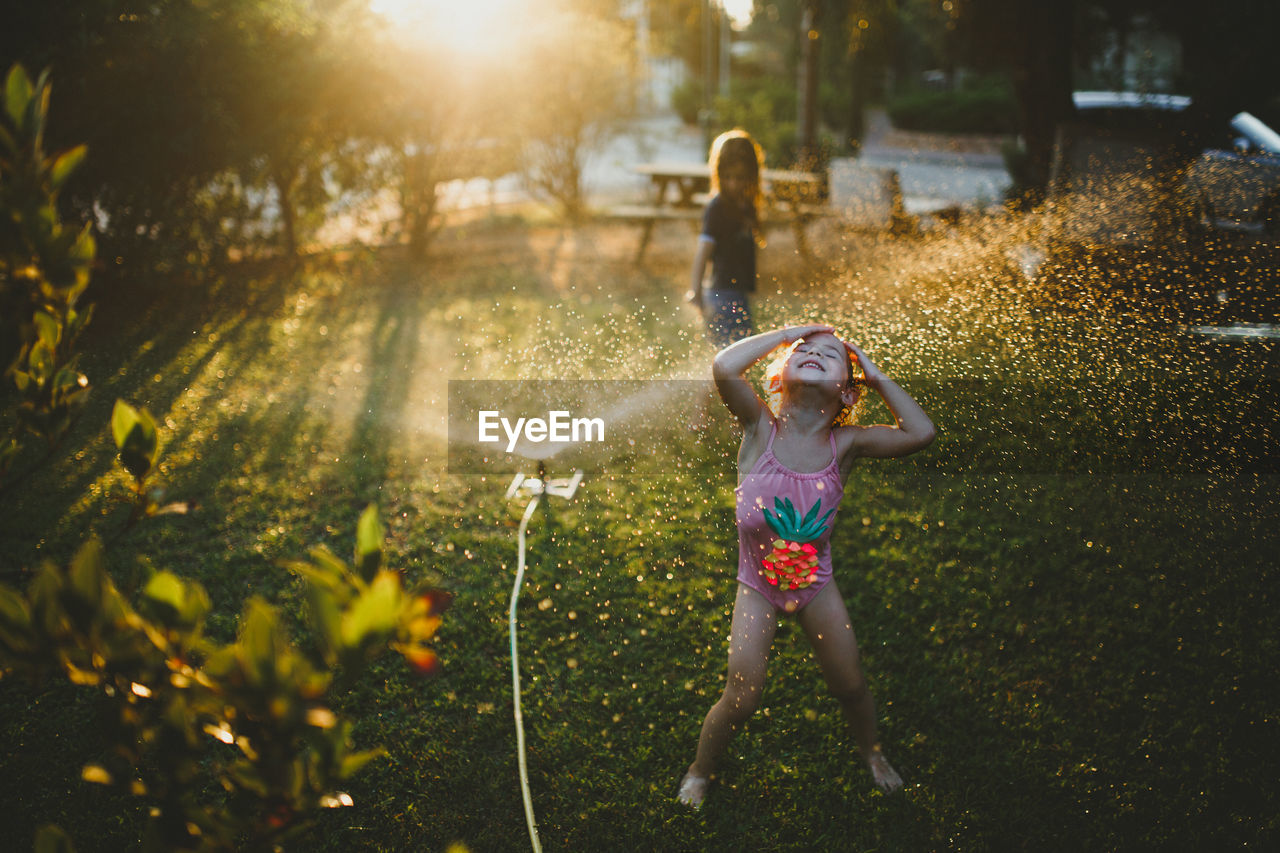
x,y
913,431
701,258
731,364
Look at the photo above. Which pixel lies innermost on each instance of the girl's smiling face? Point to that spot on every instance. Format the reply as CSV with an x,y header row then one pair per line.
x,y
818,358
819,362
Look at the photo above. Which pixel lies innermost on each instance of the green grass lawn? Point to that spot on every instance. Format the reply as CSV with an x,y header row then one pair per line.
x,y
1067,604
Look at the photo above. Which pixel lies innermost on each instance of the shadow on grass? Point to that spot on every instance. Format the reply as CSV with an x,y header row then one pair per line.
x,y
392,357
146,356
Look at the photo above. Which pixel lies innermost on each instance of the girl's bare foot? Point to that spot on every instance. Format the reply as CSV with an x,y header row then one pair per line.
x,y
886,778
693,789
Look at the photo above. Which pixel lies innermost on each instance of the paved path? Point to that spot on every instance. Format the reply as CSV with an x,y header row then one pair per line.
x,y
934,170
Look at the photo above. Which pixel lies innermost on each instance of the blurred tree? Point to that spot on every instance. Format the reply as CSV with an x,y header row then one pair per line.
x,y
440,117
929,38
300,107
807,84
130,84
677,29
865,50
197,110
1034,42
576,84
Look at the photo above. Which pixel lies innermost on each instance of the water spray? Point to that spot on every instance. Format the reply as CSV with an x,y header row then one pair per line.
x,y
536,487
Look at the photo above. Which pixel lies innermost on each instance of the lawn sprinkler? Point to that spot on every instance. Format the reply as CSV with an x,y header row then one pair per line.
x,y
536,487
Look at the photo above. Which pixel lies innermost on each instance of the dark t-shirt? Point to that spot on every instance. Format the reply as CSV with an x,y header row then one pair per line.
x,y
733,263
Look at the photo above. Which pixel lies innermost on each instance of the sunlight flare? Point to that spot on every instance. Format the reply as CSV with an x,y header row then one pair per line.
x,y
739,11
476,28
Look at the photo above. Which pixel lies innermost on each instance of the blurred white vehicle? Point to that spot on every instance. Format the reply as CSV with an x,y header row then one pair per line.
x,y
1117,168
1236,187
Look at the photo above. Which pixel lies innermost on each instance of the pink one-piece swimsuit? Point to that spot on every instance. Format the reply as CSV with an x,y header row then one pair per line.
x,y
768,481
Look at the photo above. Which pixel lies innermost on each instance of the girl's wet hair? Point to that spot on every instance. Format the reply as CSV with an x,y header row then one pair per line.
x,y
847,416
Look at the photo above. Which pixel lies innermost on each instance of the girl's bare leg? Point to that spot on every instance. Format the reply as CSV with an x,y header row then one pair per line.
x,y
754,623
826,623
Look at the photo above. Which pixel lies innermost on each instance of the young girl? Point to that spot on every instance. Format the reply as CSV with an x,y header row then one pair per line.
x,y
792,467
730,232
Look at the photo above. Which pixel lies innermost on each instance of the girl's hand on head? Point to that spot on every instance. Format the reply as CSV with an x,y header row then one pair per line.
x,y
870,373
795,333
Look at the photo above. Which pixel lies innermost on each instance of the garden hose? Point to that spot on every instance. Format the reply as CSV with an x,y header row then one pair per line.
x,y
515,677
537,486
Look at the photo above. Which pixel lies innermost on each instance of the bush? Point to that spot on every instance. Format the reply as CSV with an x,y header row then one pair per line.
x,y
187,716
582,94
983,108
44,269
686,100
233,745
766,109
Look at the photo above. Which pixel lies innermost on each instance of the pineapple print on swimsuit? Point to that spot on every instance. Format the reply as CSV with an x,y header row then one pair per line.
x,y
794,561
784,528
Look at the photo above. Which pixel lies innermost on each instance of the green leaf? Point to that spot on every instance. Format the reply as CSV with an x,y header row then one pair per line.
x,y
52,839
47,328
46,611
787,513
40,360
17,95
317,577
38,111
15,620
326,560
376,611
66,164
167,588
13,608
135,435
9,451
69,382
258,639
328,616
369,535
352,764
88,577
244,775
123,419
75,320
85,247
7,140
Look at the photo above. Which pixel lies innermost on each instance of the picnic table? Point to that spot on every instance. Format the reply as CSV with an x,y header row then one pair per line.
x,y
679,192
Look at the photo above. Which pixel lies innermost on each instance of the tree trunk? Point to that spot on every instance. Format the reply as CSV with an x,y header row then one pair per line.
x,y
807,88
285,179
1120,72
1042,82
856,125
418,202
